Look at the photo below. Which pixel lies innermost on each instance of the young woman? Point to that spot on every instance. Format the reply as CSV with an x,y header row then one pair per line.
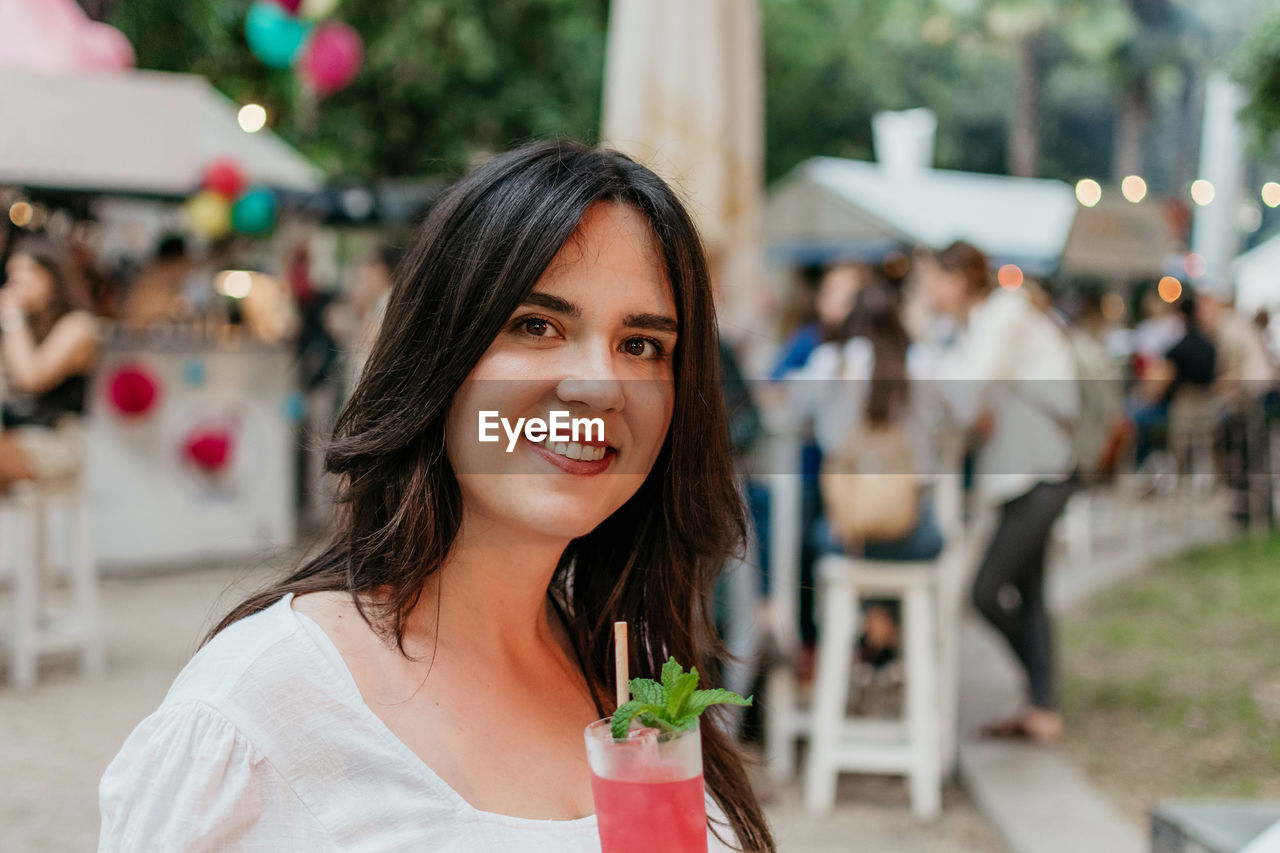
x,y
1012,377
48,345
424,682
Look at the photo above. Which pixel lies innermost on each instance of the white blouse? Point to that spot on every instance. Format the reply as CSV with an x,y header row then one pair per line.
x,y
264,743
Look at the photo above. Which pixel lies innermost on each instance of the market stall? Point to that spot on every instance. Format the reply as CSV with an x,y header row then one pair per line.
x,y
192,428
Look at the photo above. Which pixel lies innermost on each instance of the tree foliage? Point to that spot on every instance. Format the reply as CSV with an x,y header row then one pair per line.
x,y
1258,70
442,79
445,80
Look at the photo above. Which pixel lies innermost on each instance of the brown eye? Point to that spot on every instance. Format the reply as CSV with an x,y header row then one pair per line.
x,y
536,326
642,348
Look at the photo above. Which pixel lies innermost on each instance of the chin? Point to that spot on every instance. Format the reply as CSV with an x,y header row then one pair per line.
x,y
565,519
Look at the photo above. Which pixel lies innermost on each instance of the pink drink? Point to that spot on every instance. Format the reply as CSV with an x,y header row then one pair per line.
x,y
642,817
648,790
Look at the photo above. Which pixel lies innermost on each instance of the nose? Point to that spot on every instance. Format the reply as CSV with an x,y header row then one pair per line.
x,y
592,381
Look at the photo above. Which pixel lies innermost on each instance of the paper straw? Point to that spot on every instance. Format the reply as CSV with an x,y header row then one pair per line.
x,y
620,661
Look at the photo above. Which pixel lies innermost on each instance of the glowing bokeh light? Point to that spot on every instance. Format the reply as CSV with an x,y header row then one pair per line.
x,y
252,118
1088,192
1202,192
20,213
1271,194
1009,276
1169,289
235,283
1134,188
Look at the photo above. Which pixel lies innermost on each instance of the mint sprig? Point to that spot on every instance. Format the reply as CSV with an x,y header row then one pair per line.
x,y
674,705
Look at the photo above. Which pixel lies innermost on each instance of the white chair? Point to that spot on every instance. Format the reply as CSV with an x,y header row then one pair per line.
x,y
912,746
36,627
789,718
922,744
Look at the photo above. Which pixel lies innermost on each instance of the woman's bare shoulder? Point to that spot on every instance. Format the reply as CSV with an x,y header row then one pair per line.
x,y
330,609
336,614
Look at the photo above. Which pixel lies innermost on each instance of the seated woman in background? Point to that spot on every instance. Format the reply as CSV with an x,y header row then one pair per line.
x,y
865,383
48,341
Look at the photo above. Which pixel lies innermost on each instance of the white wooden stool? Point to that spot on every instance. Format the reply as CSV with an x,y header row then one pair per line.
x,y
913,746
35,627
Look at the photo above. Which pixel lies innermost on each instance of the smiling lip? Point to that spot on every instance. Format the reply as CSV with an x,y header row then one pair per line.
x,y
580,467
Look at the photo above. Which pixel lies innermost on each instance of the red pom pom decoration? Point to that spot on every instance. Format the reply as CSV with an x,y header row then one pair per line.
x,y
226,178
132,390
209,448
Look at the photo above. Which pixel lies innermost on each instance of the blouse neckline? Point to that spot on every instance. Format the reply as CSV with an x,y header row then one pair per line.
x,y
351,693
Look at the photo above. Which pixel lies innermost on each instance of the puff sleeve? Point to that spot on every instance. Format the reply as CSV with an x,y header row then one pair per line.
x,y
187,780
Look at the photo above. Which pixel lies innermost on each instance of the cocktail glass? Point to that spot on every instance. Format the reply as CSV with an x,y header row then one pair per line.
x,y
648,790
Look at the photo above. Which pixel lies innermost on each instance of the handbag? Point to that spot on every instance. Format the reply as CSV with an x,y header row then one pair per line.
x,y
870,487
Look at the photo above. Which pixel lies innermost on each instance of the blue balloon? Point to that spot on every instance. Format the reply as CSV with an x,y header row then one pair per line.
x,y
194,372
254,212
273,36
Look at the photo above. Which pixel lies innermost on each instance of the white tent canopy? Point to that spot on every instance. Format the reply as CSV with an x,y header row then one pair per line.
x,y
830,206
1257,277
137,132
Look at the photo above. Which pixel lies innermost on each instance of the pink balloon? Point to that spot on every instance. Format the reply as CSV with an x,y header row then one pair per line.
x,y
332,57
104,48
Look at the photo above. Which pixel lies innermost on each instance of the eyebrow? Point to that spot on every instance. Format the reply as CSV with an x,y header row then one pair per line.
x,y
650,322
553,303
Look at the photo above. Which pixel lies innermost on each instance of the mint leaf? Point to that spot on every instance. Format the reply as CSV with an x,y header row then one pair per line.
x,y
703,699
670,672
647,690
653,721
675,704
627,712
679,692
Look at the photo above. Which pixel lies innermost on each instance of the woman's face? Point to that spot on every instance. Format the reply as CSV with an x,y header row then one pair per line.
x,y
28,282
596,339
836,295
946,291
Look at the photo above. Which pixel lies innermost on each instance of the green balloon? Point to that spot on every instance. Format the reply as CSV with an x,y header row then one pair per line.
x,y
254,212
273,35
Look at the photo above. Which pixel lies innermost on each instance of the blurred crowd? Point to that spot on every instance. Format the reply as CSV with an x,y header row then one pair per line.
x,y
931,363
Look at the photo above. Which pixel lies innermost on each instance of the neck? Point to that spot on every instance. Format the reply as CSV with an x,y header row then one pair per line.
x,y
490,596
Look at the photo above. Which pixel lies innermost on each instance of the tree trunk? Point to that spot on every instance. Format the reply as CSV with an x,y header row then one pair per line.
x,y
1024,129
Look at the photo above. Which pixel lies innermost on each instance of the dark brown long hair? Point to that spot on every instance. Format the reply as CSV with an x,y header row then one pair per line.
x,y
877,317
970,262
653,562
67,291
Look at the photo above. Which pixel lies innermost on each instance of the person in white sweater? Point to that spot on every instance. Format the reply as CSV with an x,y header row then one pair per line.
x,y
1011,377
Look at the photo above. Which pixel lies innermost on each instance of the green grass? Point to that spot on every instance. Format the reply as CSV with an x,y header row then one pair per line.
x,y
1172,680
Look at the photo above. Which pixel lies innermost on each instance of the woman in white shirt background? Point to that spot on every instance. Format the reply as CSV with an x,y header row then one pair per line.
x,y
424,681
865,377
1011,377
